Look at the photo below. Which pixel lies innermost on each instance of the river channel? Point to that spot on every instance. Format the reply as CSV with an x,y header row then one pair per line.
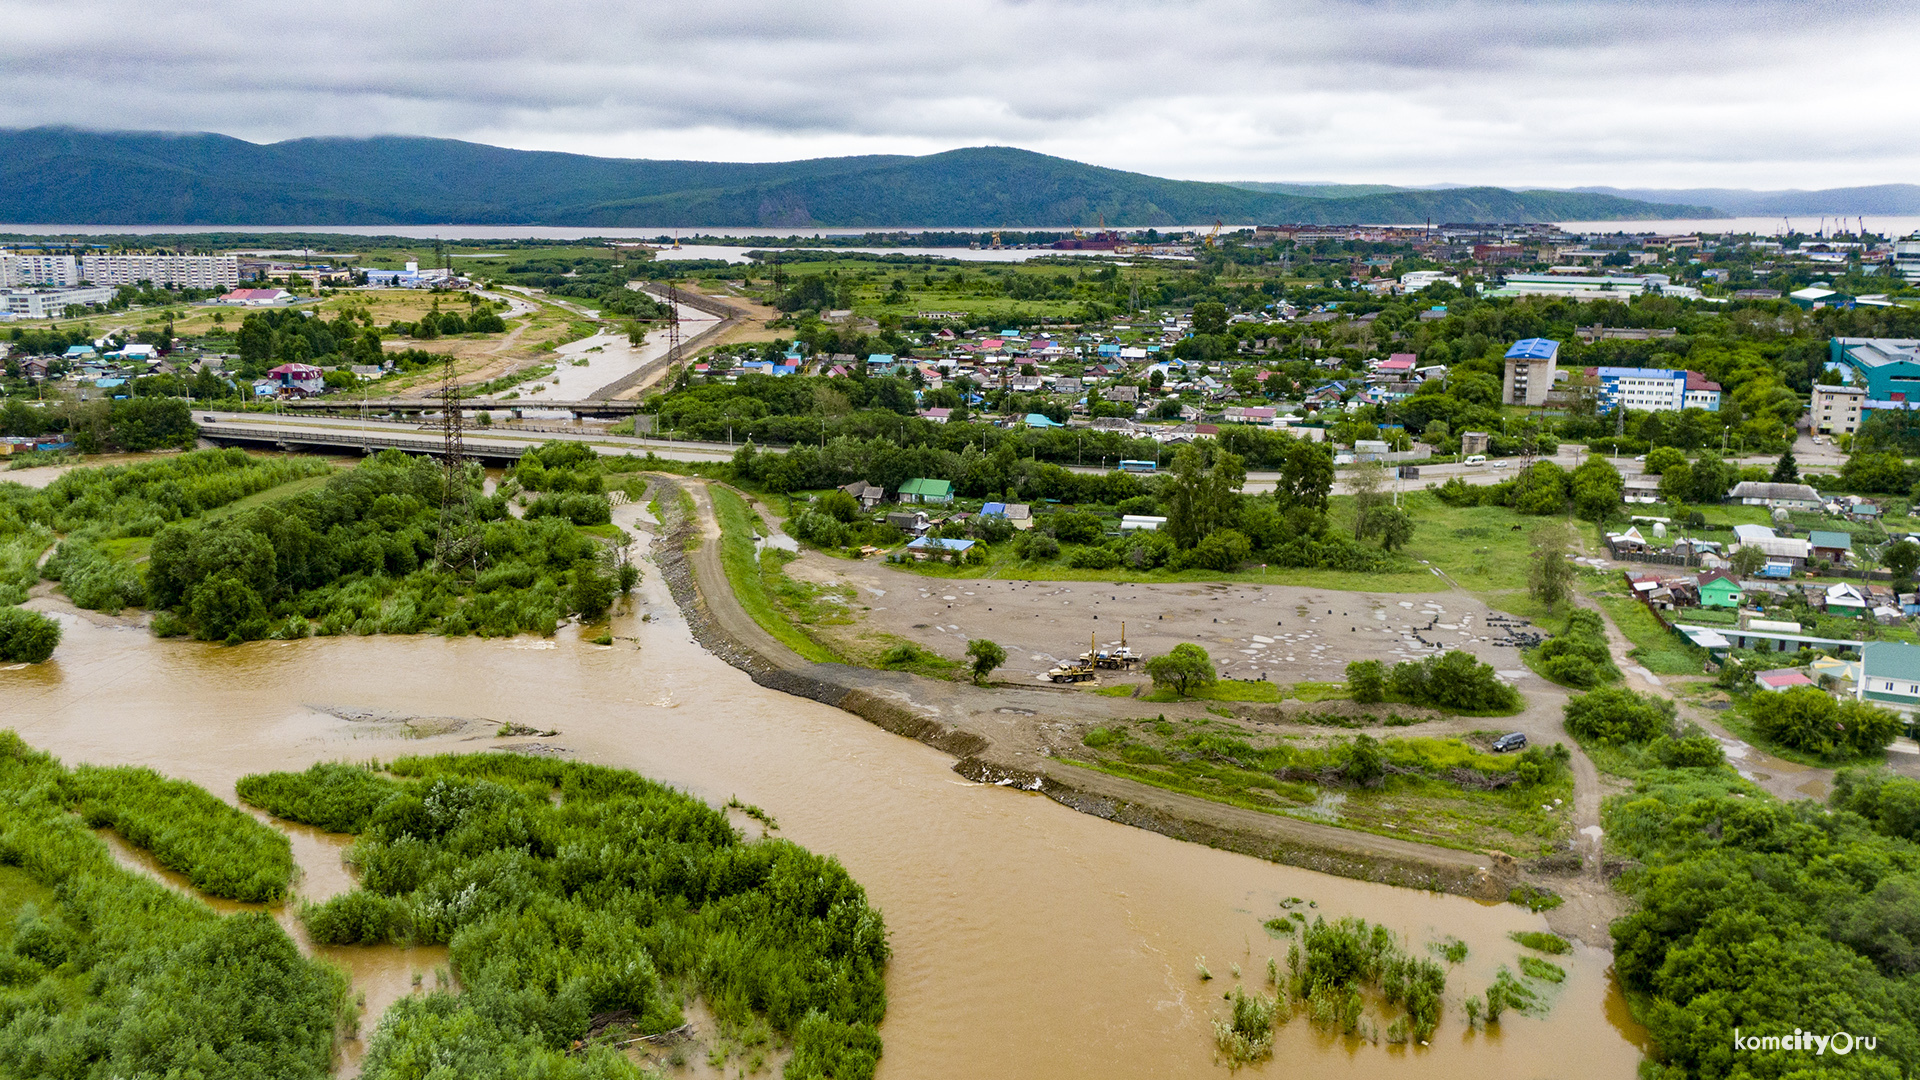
x,y
1029,940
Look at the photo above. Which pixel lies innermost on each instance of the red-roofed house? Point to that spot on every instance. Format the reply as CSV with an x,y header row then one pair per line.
x,y
1400,363
1782,679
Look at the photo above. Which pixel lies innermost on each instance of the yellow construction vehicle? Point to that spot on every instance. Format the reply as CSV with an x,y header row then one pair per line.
x,y
1080,670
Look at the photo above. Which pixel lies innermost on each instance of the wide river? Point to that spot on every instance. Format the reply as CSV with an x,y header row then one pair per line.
x,y
1029,940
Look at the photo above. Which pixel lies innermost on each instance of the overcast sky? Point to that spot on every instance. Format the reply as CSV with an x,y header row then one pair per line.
x,y
1680,93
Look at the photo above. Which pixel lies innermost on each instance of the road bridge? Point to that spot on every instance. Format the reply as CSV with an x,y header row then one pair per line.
x,y
343,405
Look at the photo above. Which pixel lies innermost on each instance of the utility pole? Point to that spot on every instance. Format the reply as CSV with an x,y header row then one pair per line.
x,y
457,544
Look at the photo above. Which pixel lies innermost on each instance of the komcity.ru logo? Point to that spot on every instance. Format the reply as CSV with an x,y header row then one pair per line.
x,y
1840,1042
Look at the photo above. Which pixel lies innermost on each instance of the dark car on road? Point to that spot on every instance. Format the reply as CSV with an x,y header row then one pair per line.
x,y
1512,741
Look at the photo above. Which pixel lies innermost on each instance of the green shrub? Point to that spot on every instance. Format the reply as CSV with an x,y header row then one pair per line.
x,y
1616,714
1552,944
1891,804
1455,681
223,851
331,796
150,982
1807,718
1545,970
27,637
610,898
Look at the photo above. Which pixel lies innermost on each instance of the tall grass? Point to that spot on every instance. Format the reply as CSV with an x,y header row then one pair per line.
x,y
114,974
222,850
613,897
747,575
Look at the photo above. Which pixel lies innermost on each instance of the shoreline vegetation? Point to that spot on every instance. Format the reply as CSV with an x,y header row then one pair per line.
x,y
584,907
572,893
92,948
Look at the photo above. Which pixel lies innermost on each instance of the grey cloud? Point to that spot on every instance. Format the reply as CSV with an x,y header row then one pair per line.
x,y
1592,91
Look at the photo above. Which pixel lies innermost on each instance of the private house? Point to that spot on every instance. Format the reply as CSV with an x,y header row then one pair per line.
x,y
1890,675
1834,547
911,522
1021,514
1845,599
1775,496
1782,679
1719,590
936,416
927,547
867,495
299,378
1042,420
922,490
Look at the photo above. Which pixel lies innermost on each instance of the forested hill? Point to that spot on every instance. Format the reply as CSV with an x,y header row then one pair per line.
x,y
68,176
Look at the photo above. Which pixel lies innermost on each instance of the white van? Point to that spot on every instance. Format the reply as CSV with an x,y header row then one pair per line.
x,y
1475,459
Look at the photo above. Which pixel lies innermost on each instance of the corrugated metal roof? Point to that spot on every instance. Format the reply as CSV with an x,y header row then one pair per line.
x,y
1891,660
1534,349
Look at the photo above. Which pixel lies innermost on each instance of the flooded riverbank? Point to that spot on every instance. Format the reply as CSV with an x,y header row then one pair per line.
x,y
1030,940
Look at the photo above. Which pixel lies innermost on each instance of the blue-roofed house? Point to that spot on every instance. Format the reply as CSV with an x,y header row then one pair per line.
x,y
929,546
993,509
1529,373
1042,420
880,363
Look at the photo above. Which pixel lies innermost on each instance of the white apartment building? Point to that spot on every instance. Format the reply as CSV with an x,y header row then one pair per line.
x,y
38,269
1653,389
49,303
1836,409
188,271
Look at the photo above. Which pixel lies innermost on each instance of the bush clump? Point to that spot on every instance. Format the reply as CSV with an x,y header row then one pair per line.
x,y
611,897
27,637
221,849
1615,714
1808,719
116,974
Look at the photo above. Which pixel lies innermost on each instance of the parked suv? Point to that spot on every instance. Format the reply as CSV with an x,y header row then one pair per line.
x,y
1512,741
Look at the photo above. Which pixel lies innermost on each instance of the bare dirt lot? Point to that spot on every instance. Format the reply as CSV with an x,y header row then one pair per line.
x,y
1278,632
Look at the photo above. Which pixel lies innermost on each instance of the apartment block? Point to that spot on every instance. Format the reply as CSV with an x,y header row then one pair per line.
x,y
1529,373
1836,409
185,271
36,269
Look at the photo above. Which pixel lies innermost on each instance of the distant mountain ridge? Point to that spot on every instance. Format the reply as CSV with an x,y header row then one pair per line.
x,y
1872,199
69,176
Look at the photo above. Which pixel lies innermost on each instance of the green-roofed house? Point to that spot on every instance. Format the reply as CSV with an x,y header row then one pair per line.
x,y
1834,547
1890,675
921,490
1719,590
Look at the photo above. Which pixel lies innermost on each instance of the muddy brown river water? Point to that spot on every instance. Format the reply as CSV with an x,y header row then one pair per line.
x,y
1029,940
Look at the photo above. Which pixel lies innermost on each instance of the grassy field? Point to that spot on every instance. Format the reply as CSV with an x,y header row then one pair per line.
x,y
1656,648
1223,761
748,574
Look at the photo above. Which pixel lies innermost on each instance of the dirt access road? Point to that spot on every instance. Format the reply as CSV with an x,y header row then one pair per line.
x,y
1009,734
